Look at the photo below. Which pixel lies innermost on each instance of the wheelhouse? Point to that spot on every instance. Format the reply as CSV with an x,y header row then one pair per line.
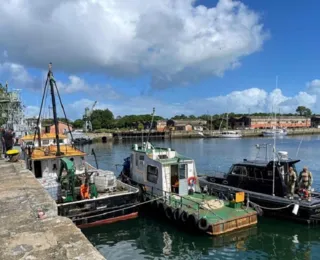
x,y
161,168
258,176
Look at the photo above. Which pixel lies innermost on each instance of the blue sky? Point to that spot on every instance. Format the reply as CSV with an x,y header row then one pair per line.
x,y
180,56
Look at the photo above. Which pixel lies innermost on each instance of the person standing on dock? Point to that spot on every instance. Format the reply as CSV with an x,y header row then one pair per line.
x,y
305,180
8,139
291,182
3,146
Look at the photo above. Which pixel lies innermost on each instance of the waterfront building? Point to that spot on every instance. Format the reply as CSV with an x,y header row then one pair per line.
x,y
263,122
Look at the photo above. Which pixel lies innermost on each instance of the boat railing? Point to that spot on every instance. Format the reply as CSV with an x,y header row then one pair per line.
x,y
168,197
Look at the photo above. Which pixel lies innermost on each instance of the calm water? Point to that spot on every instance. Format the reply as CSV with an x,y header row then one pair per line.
x,y
145,238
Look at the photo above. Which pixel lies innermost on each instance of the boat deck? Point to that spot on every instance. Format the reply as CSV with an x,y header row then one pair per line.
x,y
222,216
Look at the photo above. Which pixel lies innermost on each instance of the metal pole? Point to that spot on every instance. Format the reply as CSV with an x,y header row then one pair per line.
x,y
54,108
274,150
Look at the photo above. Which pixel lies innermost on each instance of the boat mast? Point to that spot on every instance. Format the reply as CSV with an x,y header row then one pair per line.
x,y
274,149
54,108
153,111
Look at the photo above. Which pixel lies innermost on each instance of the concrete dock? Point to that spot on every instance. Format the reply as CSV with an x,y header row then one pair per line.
x,y
23,235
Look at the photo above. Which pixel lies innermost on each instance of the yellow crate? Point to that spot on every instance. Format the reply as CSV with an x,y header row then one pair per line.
x,y
239,196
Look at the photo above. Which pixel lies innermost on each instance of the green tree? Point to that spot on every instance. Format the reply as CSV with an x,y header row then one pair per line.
x,y
104,117
304,111
78,123
96,124
140,126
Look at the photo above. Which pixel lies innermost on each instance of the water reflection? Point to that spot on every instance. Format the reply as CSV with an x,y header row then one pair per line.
x,y
145,238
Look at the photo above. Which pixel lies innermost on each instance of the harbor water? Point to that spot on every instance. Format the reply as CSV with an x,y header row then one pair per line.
x,y
146,238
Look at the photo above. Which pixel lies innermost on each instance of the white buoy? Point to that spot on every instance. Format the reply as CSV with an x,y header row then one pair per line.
x,y
295,209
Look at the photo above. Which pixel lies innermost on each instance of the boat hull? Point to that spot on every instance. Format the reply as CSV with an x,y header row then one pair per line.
x,y
94,212
271,134
268,205
230,136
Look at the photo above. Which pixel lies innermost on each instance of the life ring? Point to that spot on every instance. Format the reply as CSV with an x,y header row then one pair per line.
x,y
168,212
203,224
192,178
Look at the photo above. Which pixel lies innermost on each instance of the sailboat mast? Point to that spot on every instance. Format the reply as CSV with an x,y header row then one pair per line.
x,y
274,149
54,108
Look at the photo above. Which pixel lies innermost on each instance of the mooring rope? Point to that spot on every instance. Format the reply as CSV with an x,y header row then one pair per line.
x,y
255,204
110,212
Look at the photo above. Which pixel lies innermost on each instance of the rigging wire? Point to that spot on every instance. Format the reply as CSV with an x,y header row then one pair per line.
x,y
38,120
64,112
299,146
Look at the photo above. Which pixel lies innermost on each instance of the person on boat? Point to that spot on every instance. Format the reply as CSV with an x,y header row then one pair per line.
x,y
305,180
84,190
291,182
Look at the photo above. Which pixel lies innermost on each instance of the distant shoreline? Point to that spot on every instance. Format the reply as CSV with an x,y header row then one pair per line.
x,y
138,135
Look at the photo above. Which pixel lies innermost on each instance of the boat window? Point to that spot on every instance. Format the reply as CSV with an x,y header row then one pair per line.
x,y
182,171
258,173
239,170
141,161
152,174
45,142
250,171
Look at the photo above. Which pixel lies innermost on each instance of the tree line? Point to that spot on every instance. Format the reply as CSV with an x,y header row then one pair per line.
x,y
104,119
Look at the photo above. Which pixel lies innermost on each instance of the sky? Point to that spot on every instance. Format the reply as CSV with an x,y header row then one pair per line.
x,y
179,56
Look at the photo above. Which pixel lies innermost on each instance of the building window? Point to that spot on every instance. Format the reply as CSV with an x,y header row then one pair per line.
x,y
45,142
152,174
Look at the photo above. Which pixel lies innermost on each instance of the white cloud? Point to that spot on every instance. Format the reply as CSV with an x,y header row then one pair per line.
x,y
176,41
31,111
17,76
77,84
248,100
314,86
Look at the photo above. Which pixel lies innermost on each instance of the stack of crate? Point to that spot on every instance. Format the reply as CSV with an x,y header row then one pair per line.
x,y
52,187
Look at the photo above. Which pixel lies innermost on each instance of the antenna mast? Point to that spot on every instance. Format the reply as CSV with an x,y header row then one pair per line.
x,y
153,111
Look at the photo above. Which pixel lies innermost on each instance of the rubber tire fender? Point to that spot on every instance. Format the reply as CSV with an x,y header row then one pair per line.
x,y
203,224
176,214
184,217
162,208
169,213
192,221
154,205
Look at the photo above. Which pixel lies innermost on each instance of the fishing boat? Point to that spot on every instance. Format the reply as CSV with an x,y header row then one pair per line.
x,y
275,132
229,134
168,181
264,183
87,195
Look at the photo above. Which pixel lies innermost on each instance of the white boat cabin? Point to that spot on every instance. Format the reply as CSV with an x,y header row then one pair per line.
x,y
46,140
45,164
162,169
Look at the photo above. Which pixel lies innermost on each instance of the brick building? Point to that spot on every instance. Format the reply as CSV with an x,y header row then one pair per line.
x,y
262,122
